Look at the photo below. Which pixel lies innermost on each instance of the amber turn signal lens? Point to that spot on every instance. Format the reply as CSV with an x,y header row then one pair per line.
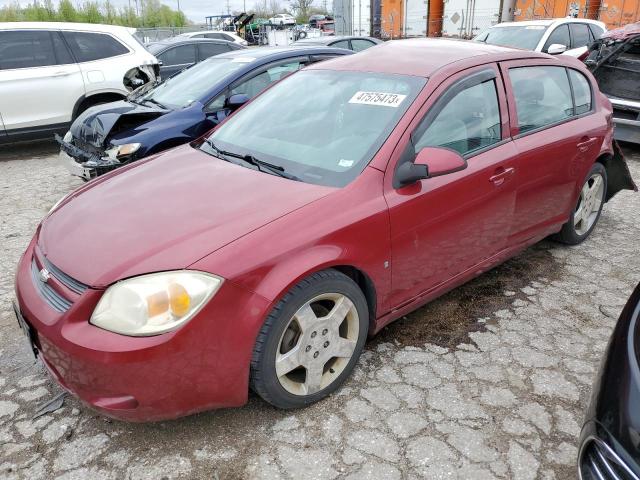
x,y
179,299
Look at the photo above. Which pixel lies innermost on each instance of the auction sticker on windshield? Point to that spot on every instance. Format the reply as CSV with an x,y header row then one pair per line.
x,y
378,98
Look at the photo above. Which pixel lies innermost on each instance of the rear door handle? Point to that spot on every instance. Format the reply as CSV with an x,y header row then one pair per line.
x,y
585,143
61,73
501,175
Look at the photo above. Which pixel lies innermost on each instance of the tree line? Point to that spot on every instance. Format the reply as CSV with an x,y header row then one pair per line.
x,y
139,13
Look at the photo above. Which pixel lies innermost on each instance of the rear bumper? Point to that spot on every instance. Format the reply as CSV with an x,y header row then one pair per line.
x,y
626,117
201,366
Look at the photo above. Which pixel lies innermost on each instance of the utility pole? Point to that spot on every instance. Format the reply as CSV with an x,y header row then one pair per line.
x,y
228,8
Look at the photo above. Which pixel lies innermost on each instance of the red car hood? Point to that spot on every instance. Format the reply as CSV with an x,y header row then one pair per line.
x,y
164,214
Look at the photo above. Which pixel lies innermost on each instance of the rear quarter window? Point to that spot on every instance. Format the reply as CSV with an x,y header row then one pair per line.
x,y
89,46
581,92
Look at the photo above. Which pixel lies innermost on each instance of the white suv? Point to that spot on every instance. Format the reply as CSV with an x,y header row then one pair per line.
x,y
569,36
51,72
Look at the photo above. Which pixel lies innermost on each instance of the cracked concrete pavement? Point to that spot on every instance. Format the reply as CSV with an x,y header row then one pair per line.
x,y
490,381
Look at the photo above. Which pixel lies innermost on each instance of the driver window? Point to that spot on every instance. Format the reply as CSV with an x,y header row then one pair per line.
x,y
560,35
468,122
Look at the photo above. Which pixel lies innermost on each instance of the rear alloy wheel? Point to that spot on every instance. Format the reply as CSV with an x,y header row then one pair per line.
x,y
588,209
311,341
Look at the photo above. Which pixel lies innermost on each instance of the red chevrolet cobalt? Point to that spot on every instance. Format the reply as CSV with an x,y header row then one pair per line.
x,y
262,255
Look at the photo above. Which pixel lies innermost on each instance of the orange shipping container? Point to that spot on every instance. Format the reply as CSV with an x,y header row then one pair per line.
x,y
391,18
537,9
618,13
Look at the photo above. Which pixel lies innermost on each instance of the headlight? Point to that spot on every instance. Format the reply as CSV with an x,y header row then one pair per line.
x,y
154,304
119,151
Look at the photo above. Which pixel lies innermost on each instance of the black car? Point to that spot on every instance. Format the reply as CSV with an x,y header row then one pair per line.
x,y
356,44
610,438
176,54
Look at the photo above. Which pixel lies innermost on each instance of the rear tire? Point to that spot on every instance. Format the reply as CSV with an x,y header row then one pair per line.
x,y
587,211
311,341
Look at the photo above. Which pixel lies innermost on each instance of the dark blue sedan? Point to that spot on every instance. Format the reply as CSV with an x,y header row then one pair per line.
x,y
178,110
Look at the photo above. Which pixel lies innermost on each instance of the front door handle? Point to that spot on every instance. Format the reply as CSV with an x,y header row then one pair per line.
x,y
501,175
585,143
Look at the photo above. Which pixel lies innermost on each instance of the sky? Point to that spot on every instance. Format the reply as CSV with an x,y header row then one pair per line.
x,y
195,10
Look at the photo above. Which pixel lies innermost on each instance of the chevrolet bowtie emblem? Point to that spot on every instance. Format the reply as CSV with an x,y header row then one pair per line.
x,y
44,275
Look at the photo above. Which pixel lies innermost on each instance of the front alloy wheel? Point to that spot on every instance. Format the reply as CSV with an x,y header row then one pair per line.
x,y
311,341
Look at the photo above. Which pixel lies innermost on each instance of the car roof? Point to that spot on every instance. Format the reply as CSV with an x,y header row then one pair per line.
x,y
423,56
327,39
176,40
84,27
546,22
200,32
277,52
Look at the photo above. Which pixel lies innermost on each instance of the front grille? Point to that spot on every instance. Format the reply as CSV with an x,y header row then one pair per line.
x,y
53,298
599,463
69,282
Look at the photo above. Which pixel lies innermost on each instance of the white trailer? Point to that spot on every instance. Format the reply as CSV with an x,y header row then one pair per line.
x,y
415,18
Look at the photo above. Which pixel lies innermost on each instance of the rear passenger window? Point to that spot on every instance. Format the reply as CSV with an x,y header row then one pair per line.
x,y
24,49
581,91
182,55
596,31
579,35
341,44
469,121
210,49
87,47
560,36
359,44
542,95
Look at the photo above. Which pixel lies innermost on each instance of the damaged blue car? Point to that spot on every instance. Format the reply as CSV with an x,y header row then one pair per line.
x,y
179,110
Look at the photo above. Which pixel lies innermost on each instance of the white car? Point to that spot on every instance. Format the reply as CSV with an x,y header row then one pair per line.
x,y
282,19
569,36
218,35
51,72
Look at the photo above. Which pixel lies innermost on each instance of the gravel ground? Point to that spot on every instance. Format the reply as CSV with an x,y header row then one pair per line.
x,y
490,381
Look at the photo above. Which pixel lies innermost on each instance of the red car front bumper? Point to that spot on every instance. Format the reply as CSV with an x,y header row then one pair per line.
x,y
203,365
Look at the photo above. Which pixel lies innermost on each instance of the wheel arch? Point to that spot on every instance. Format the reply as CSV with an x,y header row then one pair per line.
x,y
87,101
618,175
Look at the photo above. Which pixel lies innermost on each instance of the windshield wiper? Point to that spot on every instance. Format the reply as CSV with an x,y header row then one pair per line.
x,y
154,101
250,159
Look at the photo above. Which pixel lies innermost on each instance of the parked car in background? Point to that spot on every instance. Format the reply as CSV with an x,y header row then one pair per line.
x,y
614,60
178,53
314,19
282,19
52,72
178,110
239,260
216,35
609,438
357,44
569,36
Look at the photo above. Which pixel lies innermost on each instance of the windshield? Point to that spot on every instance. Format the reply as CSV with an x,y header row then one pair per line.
x,y
189,86
524,36
321,126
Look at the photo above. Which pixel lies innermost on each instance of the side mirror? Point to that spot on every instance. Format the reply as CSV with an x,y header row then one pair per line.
x,y
430,162
556,48
236,101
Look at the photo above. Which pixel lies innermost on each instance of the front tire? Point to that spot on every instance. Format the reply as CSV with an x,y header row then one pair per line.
x,y
587,212
311,341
